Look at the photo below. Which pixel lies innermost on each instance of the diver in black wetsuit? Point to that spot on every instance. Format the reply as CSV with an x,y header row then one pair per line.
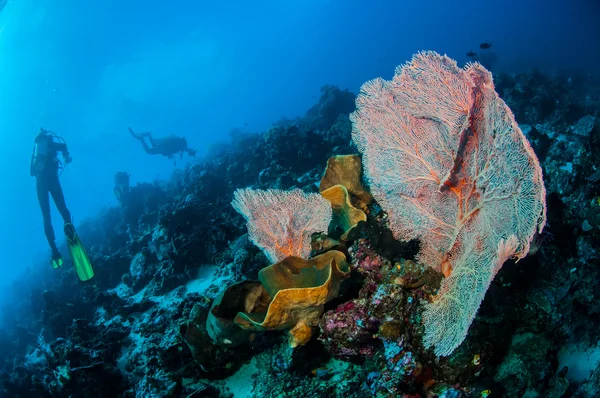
x,y
167,146
44,167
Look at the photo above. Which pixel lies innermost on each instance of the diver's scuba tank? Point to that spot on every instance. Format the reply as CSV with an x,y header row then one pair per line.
x,y
40,153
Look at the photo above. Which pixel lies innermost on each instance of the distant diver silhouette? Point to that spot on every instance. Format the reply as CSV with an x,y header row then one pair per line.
x,y
166,146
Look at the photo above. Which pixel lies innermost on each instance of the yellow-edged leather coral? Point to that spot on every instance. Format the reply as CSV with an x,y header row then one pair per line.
x,y
346,170
246,296
345,216
299,289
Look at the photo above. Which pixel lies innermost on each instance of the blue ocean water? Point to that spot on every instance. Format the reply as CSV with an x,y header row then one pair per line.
x,y
87,71
200,69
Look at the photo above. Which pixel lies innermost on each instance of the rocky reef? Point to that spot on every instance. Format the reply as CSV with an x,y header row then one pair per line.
x,y
162,258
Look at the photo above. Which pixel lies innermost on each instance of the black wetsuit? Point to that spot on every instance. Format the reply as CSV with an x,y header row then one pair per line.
x,y
166,146
47,183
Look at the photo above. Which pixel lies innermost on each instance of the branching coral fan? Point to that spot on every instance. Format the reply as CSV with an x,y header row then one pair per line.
x,y
447,161
281,222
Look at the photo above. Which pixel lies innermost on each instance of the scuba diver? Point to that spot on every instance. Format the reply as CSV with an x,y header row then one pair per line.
x,y
167,146
44,167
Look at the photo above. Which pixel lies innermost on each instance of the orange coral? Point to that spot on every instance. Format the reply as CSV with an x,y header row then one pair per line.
x,y
299,289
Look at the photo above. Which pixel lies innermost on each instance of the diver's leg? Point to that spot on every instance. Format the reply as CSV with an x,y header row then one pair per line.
x,y
59,199
149,136
148,149
141,137
44,200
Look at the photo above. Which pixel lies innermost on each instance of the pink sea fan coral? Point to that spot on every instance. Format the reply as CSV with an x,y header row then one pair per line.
x,y
445,158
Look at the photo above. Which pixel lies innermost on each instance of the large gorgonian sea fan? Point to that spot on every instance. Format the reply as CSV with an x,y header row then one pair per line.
x,y
281,222
446,159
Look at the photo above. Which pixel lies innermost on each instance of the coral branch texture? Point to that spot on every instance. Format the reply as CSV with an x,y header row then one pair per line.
x,y
282,222
445,158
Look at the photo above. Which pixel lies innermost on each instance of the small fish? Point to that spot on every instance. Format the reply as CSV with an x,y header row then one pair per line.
x,y
476,359
322,372
485,393
471,54
485,45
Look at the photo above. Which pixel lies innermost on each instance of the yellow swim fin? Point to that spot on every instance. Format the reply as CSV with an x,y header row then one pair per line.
x,y
81,261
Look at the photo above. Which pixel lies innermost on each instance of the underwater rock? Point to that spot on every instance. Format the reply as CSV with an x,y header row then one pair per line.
x,y
332,103
354,329
122,188
586,125
526,365
382,240
349,332
216,361
537,97
138,275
